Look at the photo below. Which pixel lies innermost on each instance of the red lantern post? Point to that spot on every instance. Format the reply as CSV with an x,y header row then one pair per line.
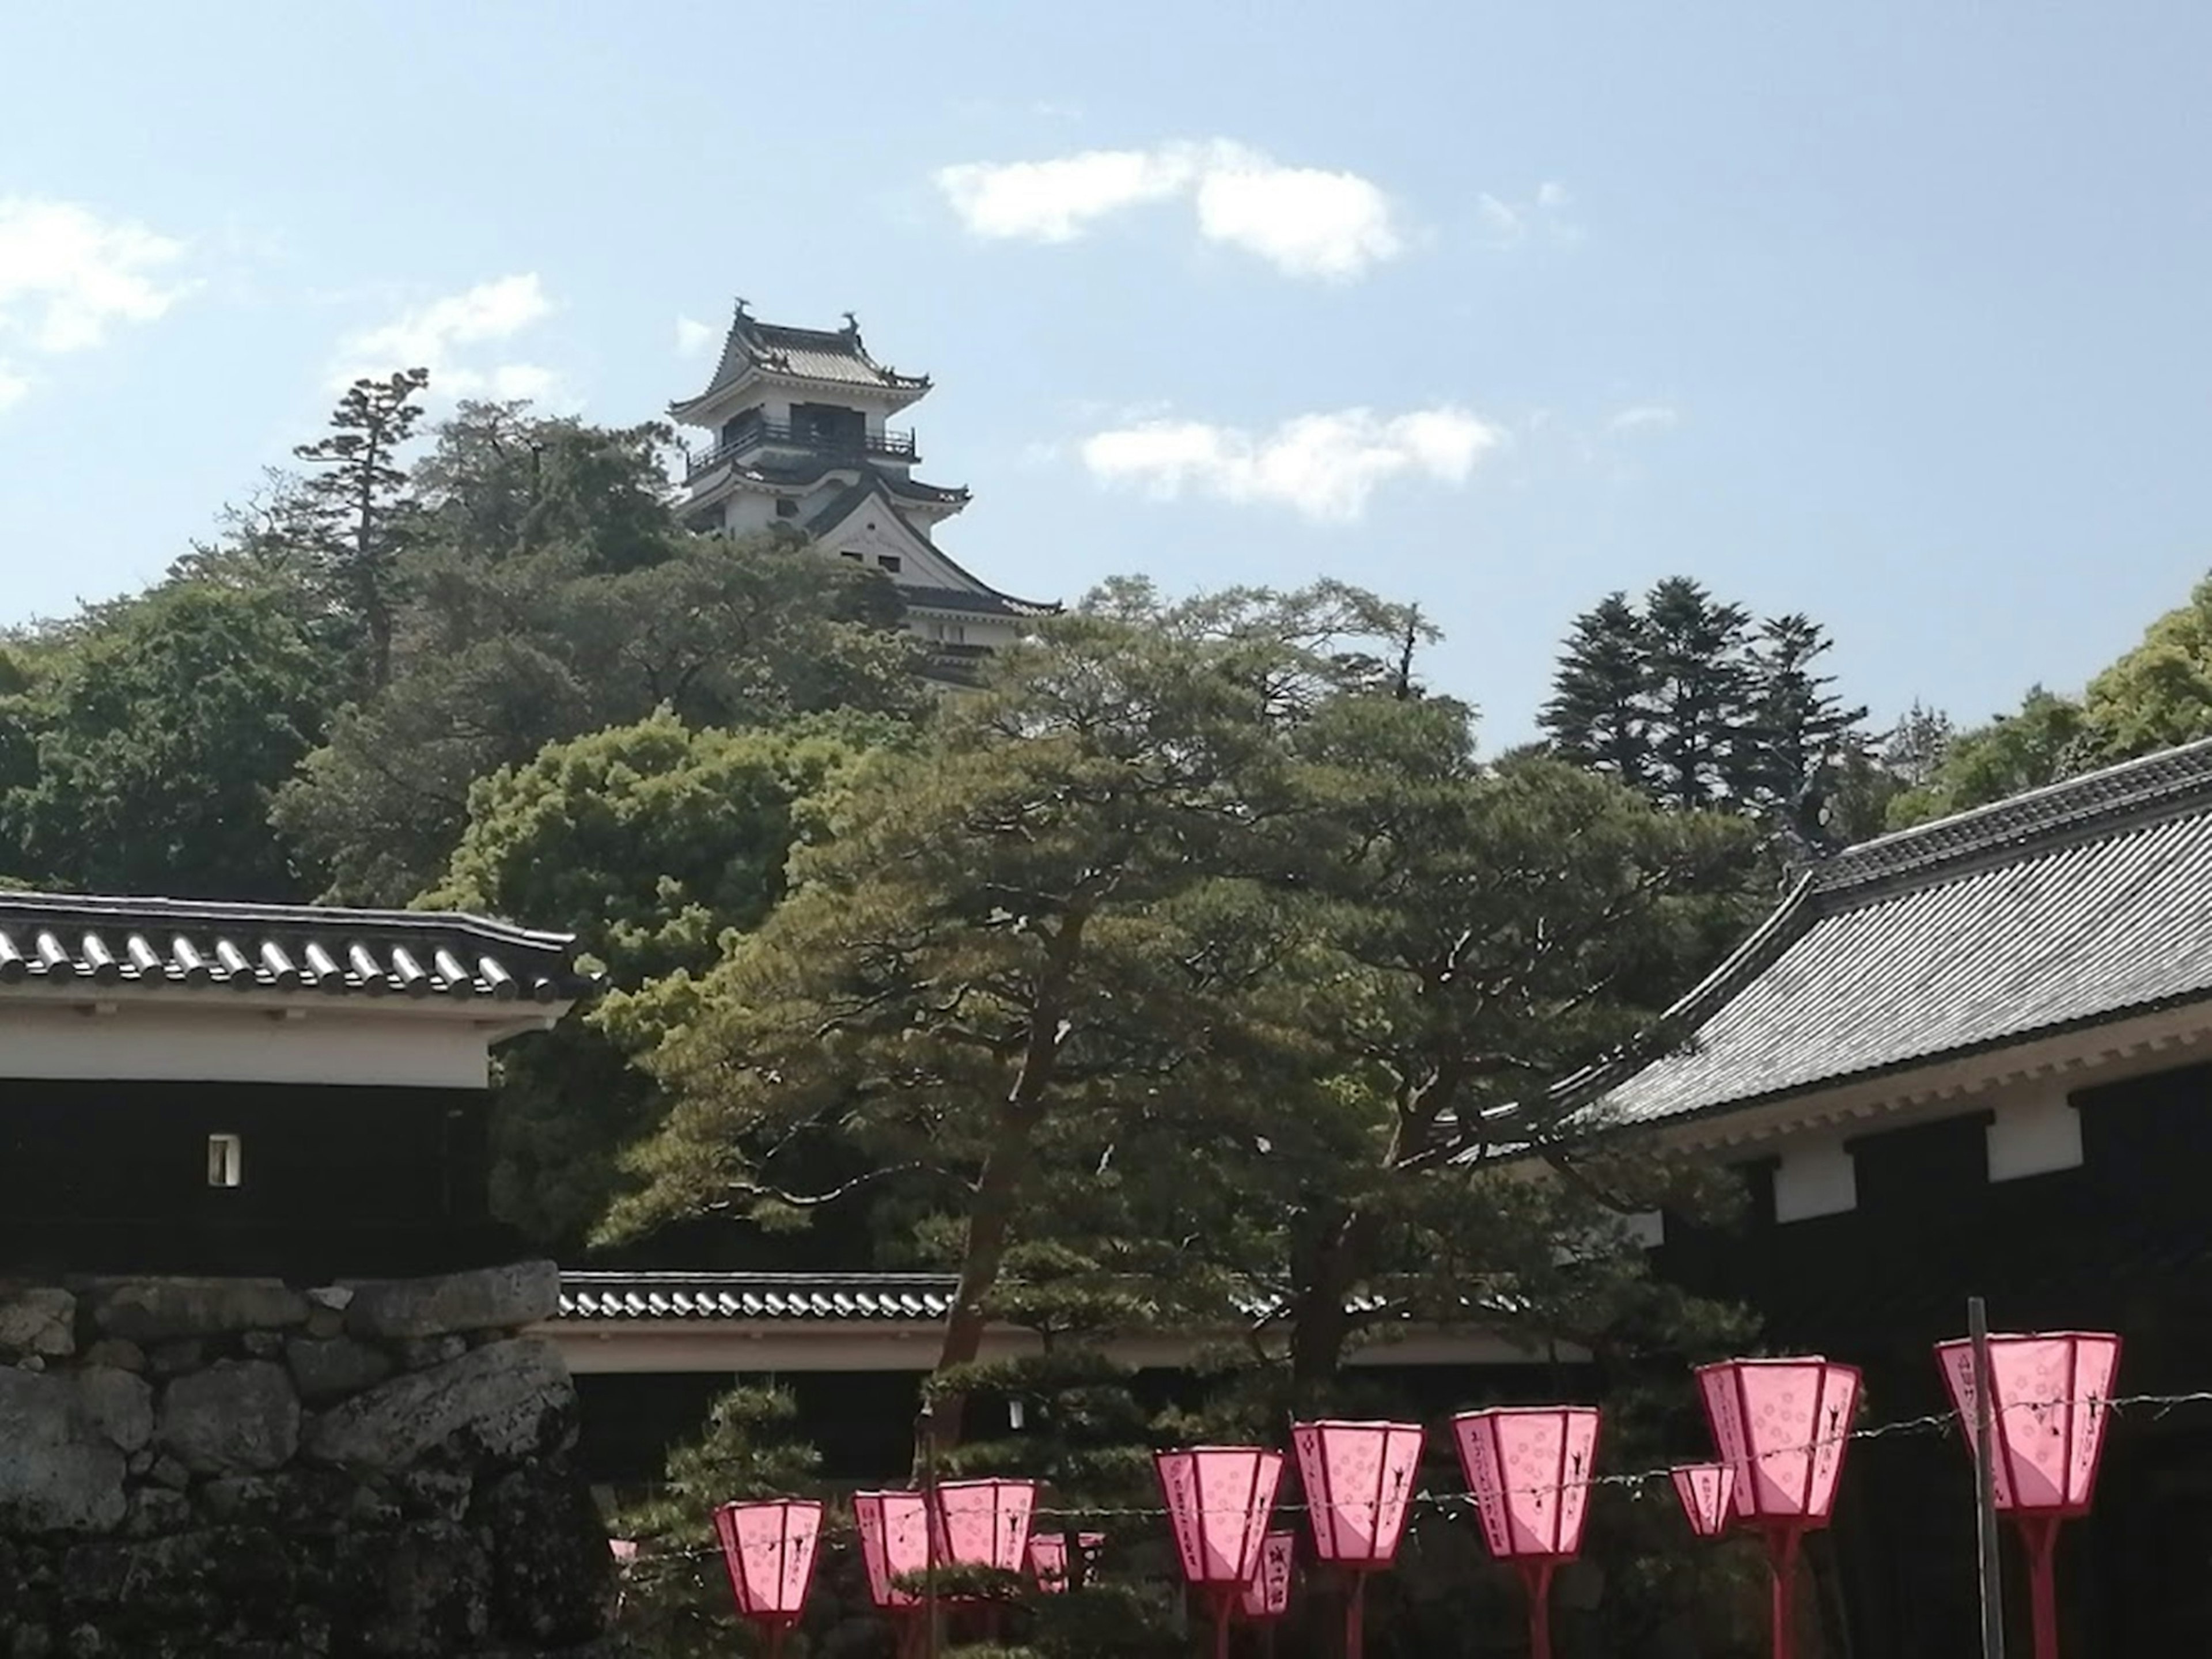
x,y
1707,1494
1049,1554
768,1549
1219,1499
1359,1479
2050,1398
1781,1426
1529,1469
894,1529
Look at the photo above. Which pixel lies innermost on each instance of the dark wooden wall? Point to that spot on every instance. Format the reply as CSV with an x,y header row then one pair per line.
x,y
2123,1242
111,1177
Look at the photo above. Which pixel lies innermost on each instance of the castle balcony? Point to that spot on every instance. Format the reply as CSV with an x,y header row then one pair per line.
x,y
805,439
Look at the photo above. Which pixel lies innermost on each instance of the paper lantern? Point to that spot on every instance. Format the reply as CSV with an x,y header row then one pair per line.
x,y
893,1528
768,1549
1218,1498
1529,1469
1049,1553
2050,1399
1781,1426
1266,1594
1359,1479
1707,1494
984,1524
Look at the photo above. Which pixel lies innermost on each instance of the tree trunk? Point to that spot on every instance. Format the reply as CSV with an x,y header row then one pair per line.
x,y
990,1221
1334,1259
999,1185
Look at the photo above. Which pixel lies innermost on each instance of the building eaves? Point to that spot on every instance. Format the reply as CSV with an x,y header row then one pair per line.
x,y
2071,907
657,1295
833,356
55,939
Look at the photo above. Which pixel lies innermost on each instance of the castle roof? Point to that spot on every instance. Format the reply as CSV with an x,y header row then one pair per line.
x,y
837,356
2068,907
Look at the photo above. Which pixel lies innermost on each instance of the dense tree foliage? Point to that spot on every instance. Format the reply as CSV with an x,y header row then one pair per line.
x,y
657,842
141,747
1686,699
1208,885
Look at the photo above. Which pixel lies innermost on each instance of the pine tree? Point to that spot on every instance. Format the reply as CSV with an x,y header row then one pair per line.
x,y
352,500
1801,730
1702,691
1597,717
1915,750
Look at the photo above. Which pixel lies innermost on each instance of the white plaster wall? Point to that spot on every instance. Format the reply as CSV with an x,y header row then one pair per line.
x,y
190,1036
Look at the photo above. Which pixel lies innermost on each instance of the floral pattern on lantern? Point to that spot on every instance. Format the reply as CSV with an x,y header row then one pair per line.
x,y
1529,1469
984,1524
768,1549
1219,1499
1707,1494
2050,1399
1358,1480
894,1529
1781,1426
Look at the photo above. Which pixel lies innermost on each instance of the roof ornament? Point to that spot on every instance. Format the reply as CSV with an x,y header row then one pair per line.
x,y
852,325
742,303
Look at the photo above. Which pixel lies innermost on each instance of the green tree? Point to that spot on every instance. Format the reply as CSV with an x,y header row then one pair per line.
x,y
2048,738
1703,688
352,507
2159,693
1801,730
146,746
1209,887
550,595
1600,711
655,844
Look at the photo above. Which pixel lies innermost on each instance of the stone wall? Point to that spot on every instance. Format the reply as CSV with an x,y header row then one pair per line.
x,y
239,1468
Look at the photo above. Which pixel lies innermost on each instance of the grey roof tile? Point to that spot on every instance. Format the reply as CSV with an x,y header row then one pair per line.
x,y
623,1296
836,356
2068,907
65,939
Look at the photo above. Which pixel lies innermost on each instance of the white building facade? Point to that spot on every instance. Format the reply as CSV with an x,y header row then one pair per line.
x,y
801,435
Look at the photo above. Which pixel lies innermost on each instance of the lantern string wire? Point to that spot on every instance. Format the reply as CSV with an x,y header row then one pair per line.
x,y
1452,1505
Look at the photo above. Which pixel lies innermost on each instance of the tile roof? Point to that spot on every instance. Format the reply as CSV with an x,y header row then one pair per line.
x,y
979,598
837,356
69,939
2067,906
875,1296
642,1296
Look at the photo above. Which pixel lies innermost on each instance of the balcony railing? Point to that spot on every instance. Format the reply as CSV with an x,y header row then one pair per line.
x,y
814,440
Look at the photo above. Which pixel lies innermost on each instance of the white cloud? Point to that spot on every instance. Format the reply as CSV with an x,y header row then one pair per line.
x,y
68,277
1058,201
444,336
1306,222
1647,418
1324,466
693,337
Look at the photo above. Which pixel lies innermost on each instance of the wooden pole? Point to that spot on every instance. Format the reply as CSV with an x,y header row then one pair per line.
x,y
1985,1484
925,1425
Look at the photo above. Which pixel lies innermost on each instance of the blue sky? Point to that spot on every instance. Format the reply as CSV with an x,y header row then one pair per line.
x,y
1894,313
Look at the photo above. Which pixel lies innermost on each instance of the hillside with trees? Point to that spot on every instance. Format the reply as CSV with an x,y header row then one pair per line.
x,y
1215,882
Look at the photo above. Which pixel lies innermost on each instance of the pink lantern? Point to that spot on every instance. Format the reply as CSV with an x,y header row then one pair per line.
x,y
1359,1479
1266,1594
1707,1494
984,1524
1529,1469
2050,1398
1781,1426
1048,1557
894,1529
768,1549
1218,1498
